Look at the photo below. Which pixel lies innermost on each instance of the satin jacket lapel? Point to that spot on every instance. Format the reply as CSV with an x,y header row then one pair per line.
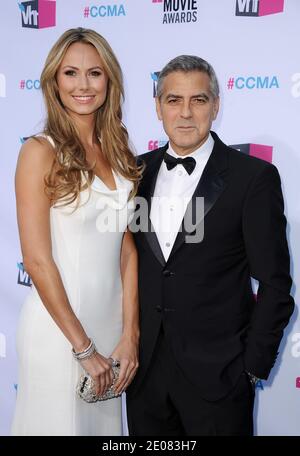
x,y
148,191
210,186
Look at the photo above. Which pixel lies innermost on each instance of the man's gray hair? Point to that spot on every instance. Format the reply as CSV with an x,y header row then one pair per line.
x,y
187,63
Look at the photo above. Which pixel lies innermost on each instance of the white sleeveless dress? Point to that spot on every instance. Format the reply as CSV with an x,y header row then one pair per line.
x,y
86,247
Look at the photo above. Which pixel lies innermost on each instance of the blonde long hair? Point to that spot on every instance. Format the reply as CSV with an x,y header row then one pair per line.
x,y
64,181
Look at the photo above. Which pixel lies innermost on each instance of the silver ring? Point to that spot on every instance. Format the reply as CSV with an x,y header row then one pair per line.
x,y
114,362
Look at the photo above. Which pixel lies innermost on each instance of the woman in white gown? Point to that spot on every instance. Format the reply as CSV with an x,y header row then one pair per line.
x,y
74,190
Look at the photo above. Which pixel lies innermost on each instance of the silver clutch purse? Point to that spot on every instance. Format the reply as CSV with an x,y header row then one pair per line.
x,y
85,388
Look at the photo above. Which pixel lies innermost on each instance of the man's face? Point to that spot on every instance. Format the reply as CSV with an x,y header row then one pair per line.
x,y
187,109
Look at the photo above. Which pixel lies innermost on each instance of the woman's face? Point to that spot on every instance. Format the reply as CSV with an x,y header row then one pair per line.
x,y
82,81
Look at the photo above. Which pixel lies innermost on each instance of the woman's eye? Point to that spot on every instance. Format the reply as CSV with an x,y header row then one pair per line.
x,y
96,73
70,73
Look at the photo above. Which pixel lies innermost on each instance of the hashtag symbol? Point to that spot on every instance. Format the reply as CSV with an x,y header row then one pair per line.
x,y
86,11
230,83
22,84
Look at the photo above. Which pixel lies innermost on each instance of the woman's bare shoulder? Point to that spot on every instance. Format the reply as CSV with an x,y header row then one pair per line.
x,y
37,152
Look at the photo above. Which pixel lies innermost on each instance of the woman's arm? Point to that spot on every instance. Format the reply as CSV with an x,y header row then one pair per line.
x,y
127,349
129,272
33,213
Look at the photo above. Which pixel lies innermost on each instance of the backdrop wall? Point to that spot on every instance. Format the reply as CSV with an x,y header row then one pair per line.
x,y
252,45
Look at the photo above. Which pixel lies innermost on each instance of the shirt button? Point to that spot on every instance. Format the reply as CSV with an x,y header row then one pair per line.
x,y
168,244
179,173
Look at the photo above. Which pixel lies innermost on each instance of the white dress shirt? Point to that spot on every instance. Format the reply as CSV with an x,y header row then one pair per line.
x,y
173,191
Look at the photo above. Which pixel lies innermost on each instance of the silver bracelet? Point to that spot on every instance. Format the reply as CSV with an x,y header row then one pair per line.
x,y
86,353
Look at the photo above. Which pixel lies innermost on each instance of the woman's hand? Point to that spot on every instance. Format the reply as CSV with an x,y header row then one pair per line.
x,y
100,370
127,353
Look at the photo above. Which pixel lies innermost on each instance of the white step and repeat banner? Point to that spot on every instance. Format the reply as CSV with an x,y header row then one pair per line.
x,y
254,48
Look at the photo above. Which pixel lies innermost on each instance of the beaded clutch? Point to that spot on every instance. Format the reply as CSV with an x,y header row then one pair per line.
x,y
85,386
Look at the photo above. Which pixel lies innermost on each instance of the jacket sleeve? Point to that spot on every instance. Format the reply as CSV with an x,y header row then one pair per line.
x,y
264,230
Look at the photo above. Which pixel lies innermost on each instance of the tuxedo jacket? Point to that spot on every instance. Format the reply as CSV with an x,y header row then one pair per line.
x,y
202,294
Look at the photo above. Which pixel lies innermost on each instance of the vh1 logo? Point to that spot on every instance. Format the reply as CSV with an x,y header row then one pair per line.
x,y
23,277
38,13
154,77
258,7
255,150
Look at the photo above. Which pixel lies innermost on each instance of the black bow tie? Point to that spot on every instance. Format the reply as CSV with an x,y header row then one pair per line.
x,y
189,163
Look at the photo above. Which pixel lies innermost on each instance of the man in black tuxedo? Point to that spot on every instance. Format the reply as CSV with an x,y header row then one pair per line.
x,y
205,339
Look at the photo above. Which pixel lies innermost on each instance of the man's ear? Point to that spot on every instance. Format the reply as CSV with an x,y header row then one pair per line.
x,y
158,108
216,107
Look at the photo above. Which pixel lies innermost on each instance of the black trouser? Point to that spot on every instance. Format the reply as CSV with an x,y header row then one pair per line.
x,y
168,404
